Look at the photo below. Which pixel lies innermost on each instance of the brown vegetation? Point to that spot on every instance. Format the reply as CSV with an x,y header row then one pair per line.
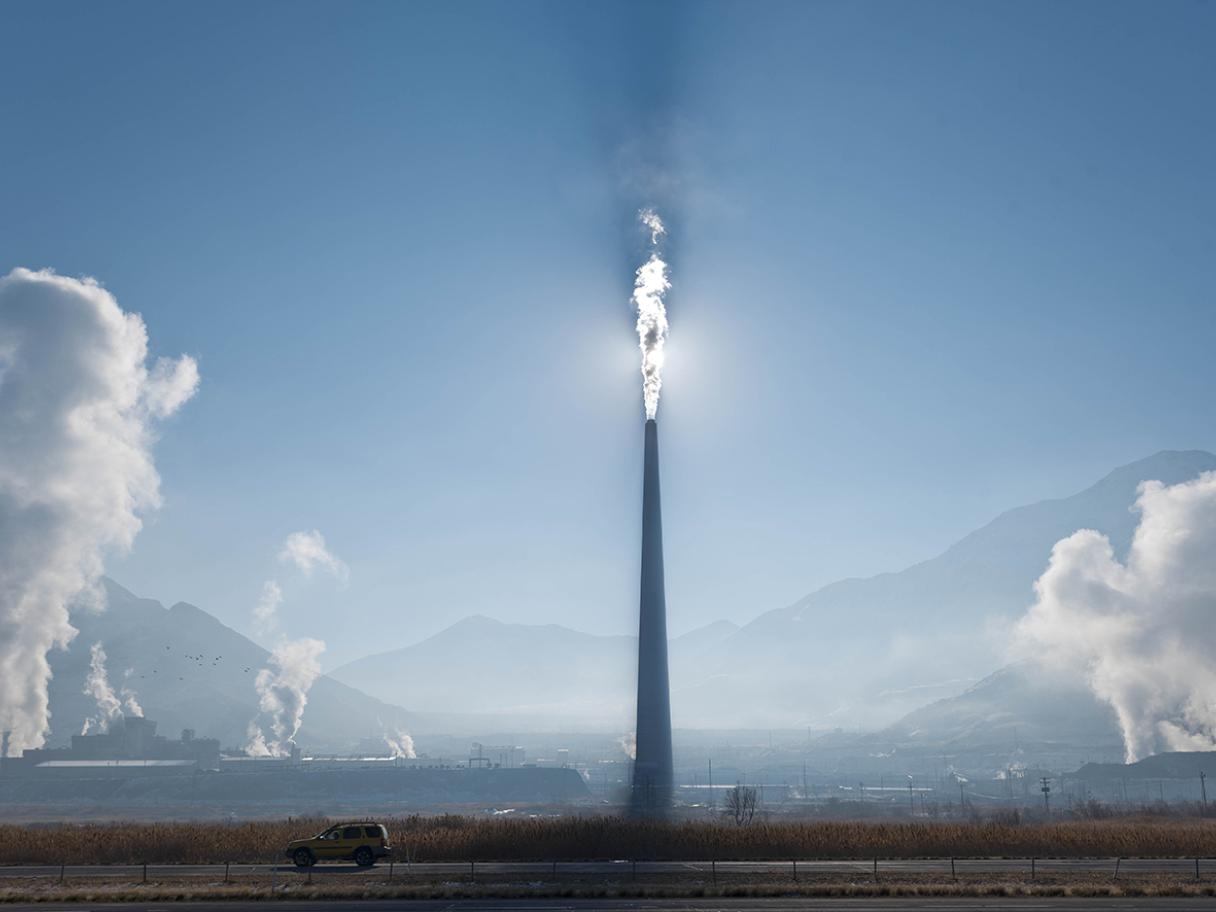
x,y
454,838
293,886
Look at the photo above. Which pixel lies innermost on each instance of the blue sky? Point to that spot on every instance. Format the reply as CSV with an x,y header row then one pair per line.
x,y
931,261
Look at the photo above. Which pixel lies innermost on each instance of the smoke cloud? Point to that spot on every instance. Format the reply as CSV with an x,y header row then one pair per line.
x,y
109,706
78,407
306,550
265,612
282,695
649,287
400,743
1142,630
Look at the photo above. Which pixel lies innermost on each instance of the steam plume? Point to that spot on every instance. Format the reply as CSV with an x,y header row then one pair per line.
x,y
266,610
283,693
1143,630
650,284
400,743
307,550
78,406
97,686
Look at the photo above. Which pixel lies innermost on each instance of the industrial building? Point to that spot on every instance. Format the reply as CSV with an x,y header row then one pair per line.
x,y
130,744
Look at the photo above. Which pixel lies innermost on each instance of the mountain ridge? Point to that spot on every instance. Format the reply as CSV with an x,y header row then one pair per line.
x,y
188,669
862,652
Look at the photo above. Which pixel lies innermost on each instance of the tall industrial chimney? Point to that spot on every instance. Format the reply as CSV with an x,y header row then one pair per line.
x,y
652,767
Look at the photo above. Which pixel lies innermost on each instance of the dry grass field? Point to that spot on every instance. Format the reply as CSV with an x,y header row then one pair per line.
x,y
454,838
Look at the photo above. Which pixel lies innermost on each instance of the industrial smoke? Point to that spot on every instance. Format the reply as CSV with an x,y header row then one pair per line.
x,y
282,695
307,551
110,705
265,612
400,743
1142,629
649,287
652,765
79,405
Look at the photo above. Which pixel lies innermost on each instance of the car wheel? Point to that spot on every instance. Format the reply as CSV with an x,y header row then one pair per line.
x,y
364,857
303,858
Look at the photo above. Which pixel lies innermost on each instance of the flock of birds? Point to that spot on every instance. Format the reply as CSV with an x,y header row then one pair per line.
x,y
200,660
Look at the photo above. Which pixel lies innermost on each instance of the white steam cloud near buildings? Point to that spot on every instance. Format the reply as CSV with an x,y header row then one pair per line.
x,y
282,695
293,665
78,410
1143,629
110,705
400,743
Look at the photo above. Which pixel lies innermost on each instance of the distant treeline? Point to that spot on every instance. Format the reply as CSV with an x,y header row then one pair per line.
x,y
458,838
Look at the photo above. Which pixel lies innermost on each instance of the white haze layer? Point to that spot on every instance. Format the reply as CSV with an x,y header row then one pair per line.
x,y
282,695
78,406
1144,631
109,706
649,287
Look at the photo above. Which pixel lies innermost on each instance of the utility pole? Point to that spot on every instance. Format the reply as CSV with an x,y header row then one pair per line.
x,y
1203,789
713,801
911,796
1045,788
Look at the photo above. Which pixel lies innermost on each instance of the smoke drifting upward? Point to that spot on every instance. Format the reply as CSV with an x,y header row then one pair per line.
x,y
109,706
265,612
649,287
1143,629
78,407
283,693
400,743
307,550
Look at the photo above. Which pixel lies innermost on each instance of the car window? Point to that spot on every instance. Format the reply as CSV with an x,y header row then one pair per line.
x,y
330,834
374,832
351,833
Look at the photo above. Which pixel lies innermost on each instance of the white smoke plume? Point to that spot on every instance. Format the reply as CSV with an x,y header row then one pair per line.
x,y
400,743
78,406
265,612
1142,630
629,744
282,695
109,704
649,287
307,550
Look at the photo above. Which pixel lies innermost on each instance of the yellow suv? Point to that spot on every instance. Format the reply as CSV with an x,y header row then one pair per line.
x,y
364,842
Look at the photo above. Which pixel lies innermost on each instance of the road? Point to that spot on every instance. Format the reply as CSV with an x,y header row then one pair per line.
x,y
881,904
626,870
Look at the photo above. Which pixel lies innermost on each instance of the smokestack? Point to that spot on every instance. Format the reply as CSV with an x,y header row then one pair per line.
x,y
652,767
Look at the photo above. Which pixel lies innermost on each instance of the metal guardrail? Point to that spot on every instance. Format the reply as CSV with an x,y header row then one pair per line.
x,y
630,869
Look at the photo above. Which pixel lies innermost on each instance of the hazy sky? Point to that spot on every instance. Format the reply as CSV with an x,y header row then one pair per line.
x,y
931,261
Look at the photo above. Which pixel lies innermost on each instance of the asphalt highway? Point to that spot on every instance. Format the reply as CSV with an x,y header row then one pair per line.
x,y
879,904
626,870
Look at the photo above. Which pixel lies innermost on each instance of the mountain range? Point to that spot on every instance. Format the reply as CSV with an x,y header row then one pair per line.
x,y
859,653
188,670
898,654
